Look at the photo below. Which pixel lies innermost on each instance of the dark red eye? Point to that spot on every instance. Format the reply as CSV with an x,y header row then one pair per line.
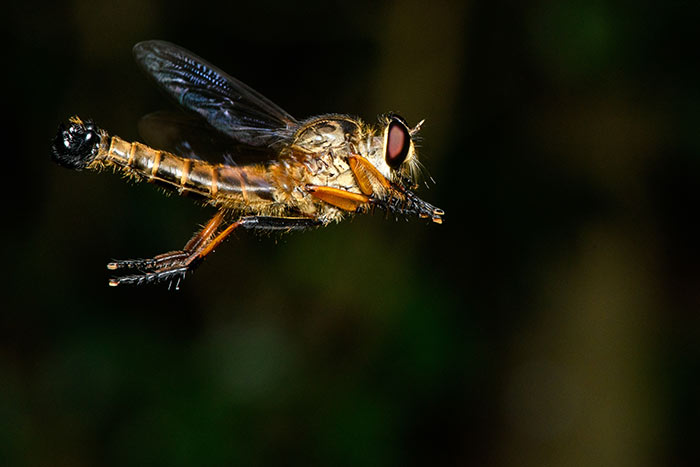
x,y
398,141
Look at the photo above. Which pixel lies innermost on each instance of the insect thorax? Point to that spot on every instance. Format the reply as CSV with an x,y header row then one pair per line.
x,y
328,133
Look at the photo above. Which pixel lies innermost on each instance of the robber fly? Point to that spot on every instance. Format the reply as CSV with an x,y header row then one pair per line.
x,y
304,174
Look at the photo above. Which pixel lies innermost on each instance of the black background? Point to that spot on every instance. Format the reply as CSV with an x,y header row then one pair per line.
x,y
551,320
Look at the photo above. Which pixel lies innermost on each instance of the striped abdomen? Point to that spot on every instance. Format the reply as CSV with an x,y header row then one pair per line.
x,y
225,185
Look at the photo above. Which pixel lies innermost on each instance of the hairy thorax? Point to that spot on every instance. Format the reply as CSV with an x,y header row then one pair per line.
x,y
318,156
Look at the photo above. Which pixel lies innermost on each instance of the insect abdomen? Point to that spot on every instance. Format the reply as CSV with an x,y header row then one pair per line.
x,y
85,146
222,183
153,165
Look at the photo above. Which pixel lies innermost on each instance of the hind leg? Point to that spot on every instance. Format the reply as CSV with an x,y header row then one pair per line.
x,y
174,265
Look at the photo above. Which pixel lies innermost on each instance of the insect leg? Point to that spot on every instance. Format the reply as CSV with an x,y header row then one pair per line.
x,y
268,223
203,245
368,178
173,256
284,224
179,262
342,199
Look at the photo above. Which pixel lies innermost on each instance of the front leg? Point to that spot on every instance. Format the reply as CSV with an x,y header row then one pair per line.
x,y
343,199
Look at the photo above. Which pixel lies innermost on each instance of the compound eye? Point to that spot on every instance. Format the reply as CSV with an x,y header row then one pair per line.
x,y
398,142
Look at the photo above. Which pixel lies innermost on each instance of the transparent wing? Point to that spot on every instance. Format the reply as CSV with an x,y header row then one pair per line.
x,y
225,103
190,136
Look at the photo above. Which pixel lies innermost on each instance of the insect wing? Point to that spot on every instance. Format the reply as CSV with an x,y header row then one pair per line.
x,y
190,136
225,103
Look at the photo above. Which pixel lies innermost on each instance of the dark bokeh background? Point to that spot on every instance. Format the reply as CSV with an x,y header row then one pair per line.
x,y
552,320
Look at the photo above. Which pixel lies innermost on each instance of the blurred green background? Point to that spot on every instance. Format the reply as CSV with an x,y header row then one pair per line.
x,y
552,320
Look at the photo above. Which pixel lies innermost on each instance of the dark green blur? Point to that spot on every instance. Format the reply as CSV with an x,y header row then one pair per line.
x,y
553,319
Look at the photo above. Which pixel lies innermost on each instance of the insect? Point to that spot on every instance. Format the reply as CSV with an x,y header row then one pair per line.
x,y
297,174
